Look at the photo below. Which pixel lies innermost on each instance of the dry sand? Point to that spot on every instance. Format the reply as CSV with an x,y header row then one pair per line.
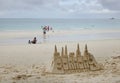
x,y
28,63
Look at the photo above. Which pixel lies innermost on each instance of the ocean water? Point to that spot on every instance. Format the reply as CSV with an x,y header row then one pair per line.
x,y
60,24
15,24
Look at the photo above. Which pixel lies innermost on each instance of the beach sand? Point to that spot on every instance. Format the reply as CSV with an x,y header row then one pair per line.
x,y
31,63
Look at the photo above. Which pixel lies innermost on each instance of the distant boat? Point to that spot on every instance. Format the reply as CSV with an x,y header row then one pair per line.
x,y
112,18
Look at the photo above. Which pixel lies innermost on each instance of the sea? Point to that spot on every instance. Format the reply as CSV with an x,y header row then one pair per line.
x,y
33,24
7,24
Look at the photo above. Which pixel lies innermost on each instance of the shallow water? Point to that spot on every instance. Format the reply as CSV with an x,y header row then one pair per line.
x,y
59,24
62,38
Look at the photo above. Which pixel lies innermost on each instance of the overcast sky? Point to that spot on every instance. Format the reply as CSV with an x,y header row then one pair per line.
x,y
59,8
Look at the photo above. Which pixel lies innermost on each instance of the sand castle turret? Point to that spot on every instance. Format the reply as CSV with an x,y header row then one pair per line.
x,y
78,53
57,62
79,57
86,51
62,53
72,63
64,58
66,52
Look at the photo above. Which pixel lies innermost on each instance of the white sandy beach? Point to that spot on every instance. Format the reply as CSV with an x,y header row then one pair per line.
x,y
26,63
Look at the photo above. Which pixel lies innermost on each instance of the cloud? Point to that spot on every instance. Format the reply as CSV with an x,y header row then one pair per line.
x,y
113,5
56,8
11,5
82,6
76,5
24,4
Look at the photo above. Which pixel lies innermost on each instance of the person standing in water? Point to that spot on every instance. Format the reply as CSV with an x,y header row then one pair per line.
x,y
44,32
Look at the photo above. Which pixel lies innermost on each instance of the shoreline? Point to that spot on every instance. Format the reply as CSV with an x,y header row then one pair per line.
x,y
22,37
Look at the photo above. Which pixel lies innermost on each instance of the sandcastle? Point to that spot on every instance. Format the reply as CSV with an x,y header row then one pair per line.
x,y
64,63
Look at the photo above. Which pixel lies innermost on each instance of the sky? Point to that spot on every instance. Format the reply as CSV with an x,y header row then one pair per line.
x,y
59,8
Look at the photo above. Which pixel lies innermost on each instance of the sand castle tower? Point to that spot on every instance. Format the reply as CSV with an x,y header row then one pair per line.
x,y
86,59
71,62
57,62
64,63
79,58
64,57
90,62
